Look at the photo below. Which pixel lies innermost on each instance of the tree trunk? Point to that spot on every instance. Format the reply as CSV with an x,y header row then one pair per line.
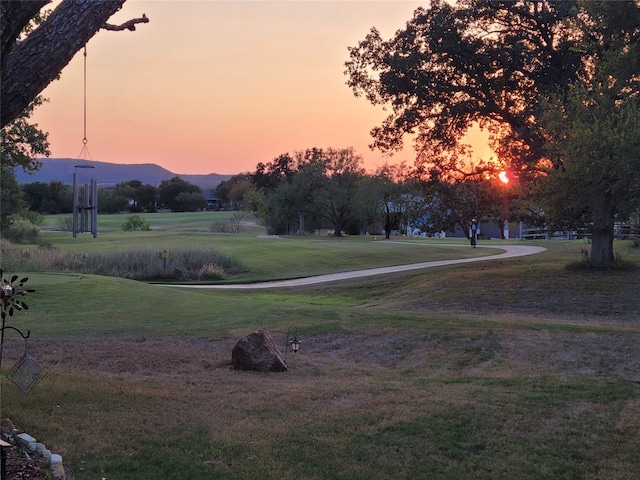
x,y
35,62
602,231
387,225
338,225
14,16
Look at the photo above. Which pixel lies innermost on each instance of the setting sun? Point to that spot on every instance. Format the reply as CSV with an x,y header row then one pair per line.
x,y
503,177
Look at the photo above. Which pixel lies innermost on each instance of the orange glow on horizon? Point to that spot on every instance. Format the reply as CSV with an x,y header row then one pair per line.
x,y
217,87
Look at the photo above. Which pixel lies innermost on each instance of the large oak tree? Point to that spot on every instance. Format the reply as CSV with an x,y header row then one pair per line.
x,y
593,131
488,63
30,62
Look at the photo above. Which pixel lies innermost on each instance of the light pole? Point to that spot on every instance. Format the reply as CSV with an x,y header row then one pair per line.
x,y
505,179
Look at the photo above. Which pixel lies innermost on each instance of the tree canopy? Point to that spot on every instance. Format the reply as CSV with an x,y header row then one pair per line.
x,y
20,144
301,192
478,62
181,196
499,64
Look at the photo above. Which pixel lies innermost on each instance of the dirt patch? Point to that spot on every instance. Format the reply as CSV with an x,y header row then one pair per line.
x,y
490,352
24,465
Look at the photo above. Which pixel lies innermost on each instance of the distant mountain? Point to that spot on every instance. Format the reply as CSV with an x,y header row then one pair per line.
x,y
108,174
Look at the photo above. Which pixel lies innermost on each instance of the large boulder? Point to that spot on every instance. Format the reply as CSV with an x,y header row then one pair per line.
x,y
257,351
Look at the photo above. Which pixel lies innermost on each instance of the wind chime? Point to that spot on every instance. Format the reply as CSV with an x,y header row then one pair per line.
x,y
85,195
26,373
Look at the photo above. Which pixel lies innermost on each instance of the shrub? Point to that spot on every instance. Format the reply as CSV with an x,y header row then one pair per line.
x,y
211,271
233,225
22,231
135,222
64,224
34,217
221,227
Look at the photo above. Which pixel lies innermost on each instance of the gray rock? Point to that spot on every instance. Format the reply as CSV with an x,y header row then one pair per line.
x,y
257,351
46,454
57,470
26,439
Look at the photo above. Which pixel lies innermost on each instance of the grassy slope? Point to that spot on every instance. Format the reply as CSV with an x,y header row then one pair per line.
x,y
508,369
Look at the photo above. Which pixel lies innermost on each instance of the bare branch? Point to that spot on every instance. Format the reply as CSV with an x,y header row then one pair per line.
x,y
130,25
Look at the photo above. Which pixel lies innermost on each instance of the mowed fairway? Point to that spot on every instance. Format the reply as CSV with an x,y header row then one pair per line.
x,y
512,368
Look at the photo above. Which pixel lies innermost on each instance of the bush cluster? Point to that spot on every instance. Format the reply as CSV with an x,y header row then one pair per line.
x,y
22,231
136,264
135,222
222,227
64,224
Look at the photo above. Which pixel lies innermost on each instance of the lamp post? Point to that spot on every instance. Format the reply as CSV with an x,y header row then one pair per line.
x,y
505,177
473,232
292,340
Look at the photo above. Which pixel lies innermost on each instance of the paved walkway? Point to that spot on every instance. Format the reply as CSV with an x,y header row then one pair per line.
x,y
510,251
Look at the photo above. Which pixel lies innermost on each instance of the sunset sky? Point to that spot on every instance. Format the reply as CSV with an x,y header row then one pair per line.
x,y
217,86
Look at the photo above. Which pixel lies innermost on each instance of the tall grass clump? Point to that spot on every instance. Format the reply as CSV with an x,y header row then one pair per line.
x,y
190,263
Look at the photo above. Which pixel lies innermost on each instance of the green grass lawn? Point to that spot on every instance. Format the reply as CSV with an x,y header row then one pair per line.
x,y
264,257
508,369
182,222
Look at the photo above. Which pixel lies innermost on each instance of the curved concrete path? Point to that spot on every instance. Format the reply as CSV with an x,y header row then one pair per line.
x,y
510,251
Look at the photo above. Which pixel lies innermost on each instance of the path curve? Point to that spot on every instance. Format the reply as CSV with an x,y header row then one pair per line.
x,y
510,251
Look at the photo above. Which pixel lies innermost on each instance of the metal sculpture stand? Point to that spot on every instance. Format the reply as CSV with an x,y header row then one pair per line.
x,y
85,206
25,374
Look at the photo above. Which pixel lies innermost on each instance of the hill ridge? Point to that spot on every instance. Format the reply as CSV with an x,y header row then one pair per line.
x,y
108,174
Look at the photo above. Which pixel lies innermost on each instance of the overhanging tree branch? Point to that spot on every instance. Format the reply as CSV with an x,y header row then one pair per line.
x,y
130,25
35,62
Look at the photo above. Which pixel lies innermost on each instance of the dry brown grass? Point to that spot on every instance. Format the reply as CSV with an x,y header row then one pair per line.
x,y
152,386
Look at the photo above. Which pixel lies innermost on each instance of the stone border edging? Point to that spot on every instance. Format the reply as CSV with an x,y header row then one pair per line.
x,y
54,460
